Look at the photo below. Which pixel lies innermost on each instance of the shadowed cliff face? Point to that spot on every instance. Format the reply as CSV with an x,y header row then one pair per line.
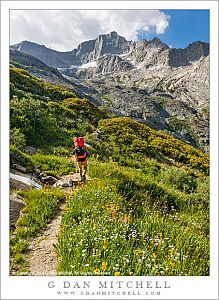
x,y
87,51
153,52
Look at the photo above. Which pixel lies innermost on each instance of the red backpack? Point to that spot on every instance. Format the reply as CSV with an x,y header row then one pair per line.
x,y
79,142
76,141
79,147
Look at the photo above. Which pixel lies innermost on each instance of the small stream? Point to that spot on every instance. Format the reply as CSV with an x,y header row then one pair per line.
x,y
25,180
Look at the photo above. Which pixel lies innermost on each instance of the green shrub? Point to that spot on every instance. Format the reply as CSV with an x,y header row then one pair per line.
x,y
54,164
182,180
85,109
17,138
20,158
60,151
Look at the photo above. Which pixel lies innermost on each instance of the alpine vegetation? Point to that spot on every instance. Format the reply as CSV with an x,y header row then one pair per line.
x,y
140,204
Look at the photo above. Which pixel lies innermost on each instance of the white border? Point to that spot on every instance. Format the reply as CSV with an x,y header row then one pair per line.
x,y
28,287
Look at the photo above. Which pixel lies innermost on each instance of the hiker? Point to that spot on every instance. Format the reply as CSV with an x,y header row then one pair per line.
x,y
81,154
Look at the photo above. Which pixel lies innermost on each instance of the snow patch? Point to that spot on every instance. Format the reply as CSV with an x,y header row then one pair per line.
x,y
72,67
125,54
19,48
91,64
139,66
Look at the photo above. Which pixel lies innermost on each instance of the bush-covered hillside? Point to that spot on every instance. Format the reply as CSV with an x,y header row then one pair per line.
x,y
145,211
24,81
33,65
124,138
46,116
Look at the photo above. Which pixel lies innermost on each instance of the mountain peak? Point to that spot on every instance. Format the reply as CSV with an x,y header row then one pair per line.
x,y
156,42
113,34
24,45
156,39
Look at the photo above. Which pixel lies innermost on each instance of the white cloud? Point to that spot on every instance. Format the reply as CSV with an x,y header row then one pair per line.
x,y
63,30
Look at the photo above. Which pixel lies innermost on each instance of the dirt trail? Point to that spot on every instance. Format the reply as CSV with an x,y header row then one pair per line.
x,y
42,259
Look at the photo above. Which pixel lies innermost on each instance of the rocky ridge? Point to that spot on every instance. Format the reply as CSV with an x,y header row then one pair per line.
x,y
168,89
124,52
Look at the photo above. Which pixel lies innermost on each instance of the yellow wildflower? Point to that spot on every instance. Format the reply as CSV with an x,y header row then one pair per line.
x,y
116,273
104,247
104,264
97,270
125,218
59,259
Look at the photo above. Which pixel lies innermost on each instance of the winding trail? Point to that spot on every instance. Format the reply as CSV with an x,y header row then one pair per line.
x,y
41,257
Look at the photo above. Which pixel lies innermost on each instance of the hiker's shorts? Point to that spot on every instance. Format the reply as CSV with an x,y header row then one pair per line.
x,y
82,165
81,159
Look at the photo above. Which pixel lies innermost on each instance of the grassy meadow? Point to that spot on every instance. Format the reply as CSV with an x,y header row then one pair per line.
x,y
112,227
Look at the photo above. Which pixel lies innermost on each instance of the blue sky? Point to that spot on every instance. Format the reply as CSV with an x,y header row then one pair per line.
x,y
185,27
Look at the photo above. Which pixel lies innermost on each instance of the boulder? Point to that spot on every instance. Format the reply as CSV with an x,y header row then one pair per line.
x,y
61,183
18,185
48,180
20,168
16,205
31,150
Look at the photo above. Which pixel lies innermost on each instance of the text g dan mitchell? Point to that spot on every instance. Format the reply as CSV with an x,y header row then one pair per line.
x,y
119,284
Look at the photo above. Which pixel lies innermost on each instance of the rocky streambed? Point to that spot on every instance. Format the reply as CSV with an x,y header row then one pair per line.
x,y
25,181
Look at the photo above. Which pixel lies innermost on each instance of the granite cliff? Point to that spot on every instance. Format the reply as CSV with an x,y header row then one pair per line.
x,y
163,87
